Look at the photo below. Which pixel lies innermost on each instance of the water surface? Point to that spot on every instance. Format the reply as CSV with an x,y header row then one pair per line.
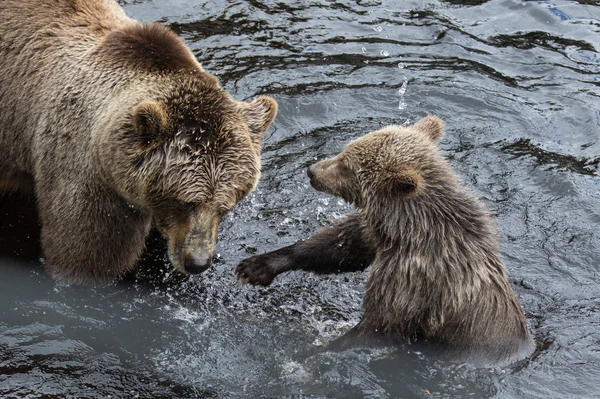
x,y
516,84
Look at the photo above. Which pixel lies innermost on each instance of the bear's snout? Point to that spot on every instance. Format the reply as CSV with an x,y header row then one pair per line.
x,y
310,172
195,263
314,182
316,174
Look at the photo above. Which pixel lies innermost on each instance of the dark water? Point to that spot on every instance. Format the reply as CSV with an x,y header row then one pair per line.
x,y
517,85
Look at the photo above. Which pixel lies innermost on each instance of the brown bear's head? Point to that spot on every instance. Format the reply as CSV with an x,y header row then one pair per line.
x,y
186,155
383,165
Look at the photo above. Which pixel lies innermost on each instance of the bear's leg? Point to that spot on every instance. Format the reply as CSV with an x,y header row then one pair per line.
x,y
89,234
337,249
12,181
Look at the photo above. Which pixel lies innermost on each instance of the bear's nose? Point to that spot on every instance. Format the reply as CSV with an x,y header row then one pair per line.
x,y
310,172
197,262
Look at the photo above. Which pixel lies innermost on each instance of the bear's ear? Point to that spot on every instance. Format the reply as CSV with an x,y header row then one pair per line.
x,y
398,183
150,121
431,126
260,113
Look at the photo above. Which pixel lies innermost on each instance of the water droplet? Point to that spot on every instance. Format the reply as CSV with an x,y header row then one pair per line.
x,y
401,65
364,50
378,28
401,92
402,89
385,53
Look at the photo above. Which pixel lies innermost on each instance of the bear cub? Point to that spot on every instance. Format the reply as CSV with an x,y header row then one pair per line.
x,y
436,272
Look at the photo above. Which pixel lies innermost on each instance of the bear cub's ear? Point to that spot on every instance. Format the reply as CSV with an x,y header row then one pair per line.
x,y
399,183
432,127
260,113
150,121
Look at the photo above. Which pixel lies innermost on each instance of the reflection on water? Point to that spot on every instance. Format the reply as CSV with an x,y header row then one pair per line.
x,y
516,84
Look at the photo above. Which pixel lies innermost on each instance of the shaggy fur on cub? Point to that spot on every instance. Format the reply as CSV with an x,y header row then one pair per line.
x,y
436,272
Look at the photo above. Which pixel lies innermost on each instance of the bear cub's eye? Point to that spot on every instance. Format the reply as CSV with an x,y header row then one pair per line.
x,y
344,168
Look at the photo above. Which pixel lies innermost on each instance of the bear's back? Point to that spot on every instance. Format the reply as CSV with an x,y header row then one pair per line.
x,y
61,60
42,45
19,18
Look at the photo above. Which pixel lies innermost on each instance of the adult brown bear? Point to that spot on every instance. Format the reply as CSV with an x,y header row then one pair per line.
x,y
113,124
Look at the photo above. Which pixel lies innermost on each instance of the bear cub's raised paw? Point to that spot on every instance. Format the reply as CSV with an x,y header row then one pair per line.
x,y
259,269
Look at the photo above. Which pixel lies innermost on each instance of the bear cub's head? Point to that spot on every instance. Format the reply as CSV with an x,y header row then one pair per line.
x,y
393,162
185,156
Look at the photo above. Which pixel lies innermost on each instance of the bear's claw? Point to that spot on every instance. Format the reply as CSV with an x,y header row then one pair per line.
x,y
256,270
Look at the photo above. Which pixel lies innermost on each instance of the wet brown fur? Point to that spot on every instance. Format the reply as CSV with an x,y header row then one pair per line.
x,y
436,272
115,126
162,49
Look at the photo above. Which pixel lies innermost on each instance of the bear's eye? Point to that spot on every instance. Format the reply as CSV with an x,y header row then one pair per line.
x,y
221,212
188,206
344,168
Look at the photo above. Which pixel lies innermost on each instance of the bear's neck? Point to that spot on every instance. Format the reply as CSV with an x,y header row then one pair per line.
x,y
440,212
